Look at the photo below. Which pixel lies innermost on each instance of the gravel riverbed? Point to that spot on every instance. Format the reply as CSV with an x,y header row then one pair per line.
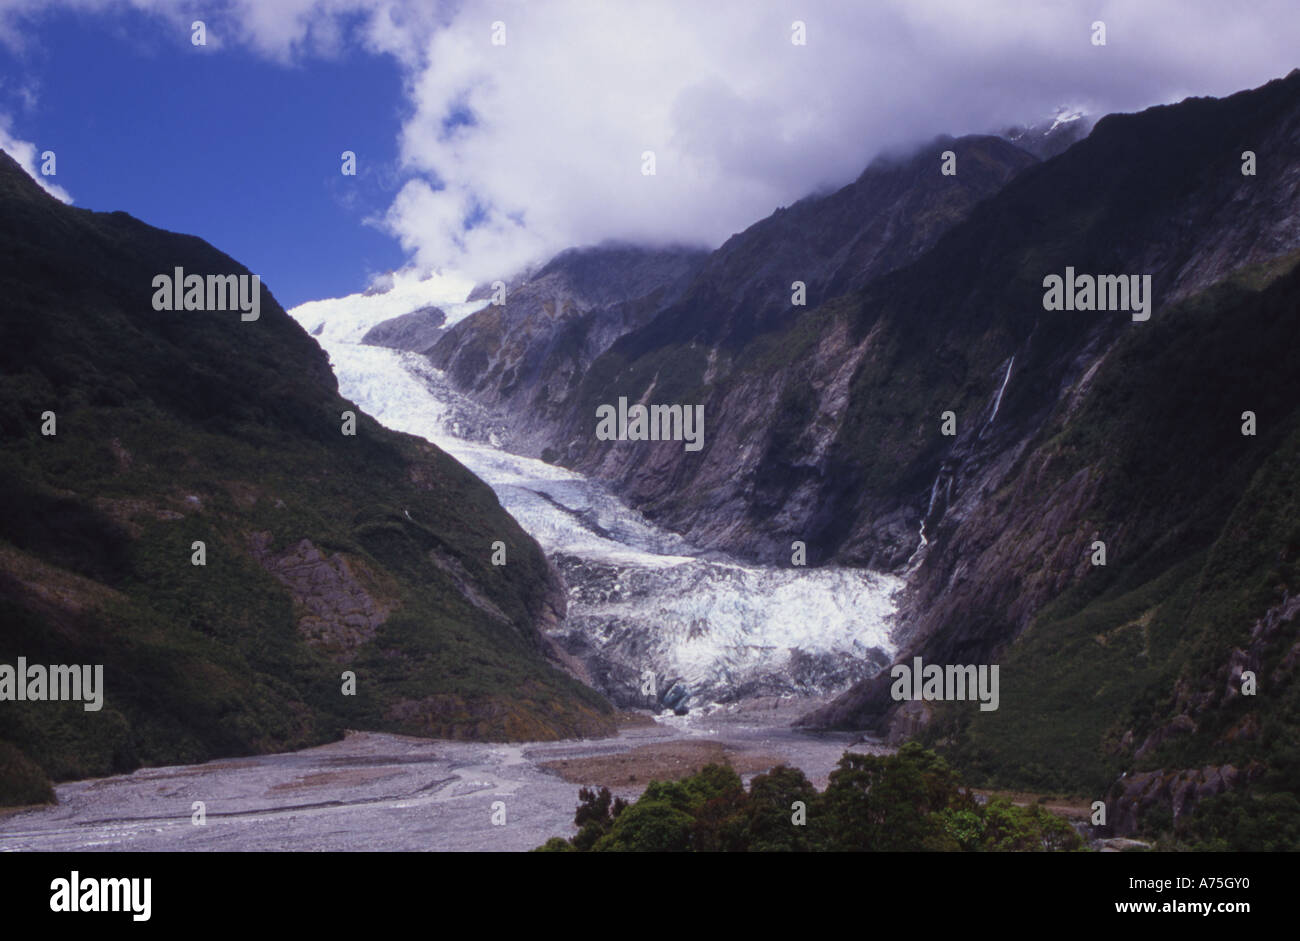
x,y
374,791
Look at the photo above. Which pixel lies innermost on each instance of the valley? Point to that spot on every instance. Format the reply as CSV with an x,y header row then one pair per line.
x,y
645,608
379,792
925,459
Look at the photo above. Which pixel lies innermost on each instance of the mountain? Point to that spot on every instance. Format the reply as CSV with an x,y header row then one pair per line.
x,y
1046,139
1197,225
525,355
1080,427
736,345
1135,668
824,425
325,552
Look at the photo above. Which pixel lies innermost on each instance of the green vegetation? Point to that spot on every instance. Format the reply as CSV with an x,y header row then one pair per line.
x,y
1110,429
1240,823
176,427
1190,574
908,801
21,780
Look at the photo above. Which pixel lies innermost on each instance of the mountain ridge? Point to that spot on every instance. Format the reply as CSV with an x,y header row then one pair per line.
x,y
824,428
324,552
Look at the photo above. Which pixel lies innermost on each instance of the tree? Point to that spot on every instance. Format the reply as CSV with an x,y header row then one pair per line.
x,y
771,826
596,813
648,826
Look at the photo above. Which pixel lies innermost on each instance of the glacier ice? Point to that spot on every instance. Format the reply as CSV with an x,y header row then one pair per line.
x,y
642,601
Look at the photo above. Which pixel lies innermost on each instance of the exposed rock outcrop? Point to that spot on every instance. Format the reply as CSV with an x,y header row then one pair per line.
x,y
1138,796
417,331
336,611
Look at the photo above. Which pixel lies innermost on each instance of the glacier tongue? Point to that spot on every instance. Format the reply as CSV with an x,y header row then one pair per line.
x,y
646,611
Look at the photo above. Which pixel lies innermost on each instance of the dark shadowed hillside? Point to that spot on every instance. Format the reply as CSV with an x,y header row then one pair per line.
x,y
823,425
324,552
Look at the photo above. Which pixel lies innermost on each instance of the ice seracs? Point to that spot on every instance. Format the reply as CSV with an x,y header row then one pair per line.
x,y
640,598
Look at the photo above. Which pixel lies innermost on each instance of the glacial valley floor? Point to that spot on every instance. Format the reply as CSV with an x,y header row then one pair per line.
x,y
374,791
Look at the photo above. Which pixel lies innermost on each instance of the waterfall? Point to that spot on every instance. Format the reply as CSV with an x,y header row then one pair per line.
x,y
997,401
934,492
934,488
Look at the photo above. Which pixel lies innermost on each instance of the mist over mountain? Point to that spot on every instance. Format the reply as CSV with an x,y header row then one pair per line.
x,y
925,296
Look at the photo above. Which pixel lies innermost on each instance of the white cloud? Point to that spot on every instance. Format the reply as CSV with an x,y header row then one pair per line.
x,y
28,157
740,120
281,30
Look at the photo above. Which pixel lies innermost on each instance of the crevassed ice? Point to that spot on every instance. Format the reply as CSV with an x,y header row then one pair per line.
x,y
716,625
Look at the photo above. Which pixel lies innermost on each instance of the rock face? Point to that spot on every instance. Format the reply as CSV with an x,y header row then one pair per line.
x,y
533,357
1174,792
417,331
336,611
824,424
525,356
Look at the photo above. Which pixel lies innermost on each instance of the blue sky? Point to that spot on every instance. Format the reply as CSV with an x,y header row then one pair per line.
x,y
491,134
225,144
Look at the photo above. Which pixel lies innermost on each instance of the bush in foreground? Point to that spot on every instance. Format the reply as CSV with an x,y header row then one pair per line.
x,y
911,800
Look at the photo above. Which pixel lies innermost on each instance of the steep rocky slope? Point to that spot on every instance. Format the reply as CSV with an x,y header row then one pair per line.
x,y
417,331
325,553
1128,433
526,355
823,424
736,345
1134,664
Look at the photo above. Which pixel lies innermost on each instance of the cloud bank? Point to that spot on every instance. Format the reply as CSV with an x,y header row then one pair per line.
x,y
519,148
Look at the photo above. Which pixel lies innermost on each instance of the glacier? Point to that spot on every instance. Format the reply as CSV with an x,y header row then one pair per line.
x,y
656,622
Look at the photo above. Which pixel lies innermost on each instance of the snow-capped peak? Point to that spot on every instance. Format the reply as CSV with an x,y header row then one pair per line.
x,y
1064,116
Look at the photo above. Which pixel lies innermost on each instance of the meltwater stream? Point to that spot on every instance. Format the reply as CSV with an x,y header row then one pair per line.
x,y
646,610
